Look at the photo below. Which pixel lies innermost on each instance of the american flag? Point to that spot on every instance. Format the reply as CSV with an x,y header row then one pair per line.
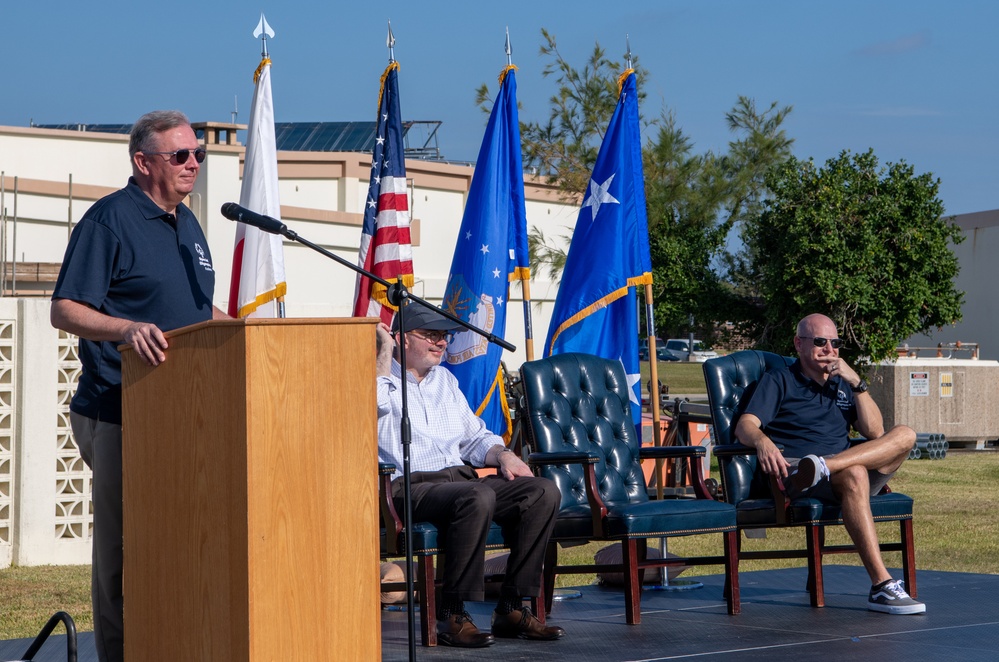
x,y
385,250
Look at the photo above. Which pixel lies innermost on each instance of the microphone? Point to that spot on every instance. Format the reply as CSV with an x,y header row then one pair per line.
x,y
234,212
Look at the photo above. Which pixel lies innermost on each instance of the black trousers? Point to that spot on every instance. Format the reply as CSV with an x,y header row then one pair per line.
x,y
461,505
100,447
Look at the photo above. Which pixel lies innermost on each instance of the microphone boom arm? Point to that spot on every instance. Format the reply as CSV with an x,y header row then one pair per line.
x,y
236,213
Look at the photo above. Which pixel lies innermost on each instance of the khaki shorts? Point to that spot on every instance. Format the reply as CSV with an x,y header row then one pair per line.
x,y
824,491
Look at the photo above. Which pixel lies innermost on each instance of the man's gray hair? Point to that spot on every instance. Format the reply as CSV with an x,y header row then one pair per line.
x,y
144,131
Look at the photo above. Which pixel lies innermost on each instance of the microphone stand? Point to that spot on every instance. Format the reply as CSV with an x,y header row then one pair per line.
x,y
400,297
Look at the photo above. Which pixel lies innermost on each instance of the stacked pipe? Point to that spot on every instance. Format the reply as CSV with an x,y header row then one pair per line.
x,y
929,446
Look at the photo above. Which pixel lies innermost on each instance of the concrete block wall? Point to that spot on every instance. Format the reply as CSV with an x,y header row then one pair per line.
x,y
45,512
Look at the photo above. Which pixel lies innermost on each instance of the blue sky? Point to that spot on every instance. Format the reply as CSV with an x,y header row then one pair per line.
x,y
913,79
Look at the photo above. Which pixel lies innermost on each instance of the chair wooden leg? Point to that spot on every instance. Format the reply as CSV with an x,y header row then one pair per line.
x,y
632,586
732,599
426,585
548,585
816,590
738,550
538,603
908,557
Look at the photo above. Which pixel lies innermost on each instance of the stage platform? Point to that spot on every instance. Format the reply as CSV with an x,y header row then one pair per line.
x,y
961,623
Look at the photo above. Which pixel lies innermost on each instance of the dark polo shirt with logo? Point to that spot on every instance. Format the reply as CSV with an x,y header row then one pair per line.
x,y
804,417
129,259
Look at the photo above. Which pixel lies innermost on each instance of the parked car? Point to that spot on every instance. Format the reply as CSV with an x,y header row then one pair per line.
x,y
661,352
679,348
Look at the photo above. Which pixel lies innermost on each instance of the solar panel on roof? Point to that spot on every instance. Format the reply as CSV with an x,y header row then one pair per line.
x,y
96,128
325,136
289,136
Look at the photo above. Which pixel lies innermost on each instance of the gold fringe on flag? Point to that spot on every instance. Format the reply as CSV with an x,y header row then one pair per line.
x,y
520,273
380,294
279,291
502,76
260,69
623,77
498,385
597,305
381,87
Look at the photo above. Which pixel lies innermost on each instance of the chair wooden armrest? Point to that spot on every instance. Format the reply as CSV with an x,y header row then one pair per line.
x,y
390,518
598,510
695,454
781,502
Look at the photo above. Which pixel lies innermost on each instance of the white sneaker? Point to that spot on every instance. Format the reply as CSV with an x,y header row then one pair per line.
x,y
810,470
891,598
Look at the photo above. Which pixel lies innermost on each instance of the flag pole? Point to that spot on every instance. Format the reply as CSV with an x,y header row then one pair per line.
x,y
263,53
654,398
654,386
405,435
263,31
650,327
259,191
523,274
390,43
525,286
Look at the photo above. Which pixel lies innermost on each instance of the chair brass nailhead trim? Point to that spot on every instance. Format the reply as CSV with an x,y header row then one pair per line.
x,y
680,532
835,522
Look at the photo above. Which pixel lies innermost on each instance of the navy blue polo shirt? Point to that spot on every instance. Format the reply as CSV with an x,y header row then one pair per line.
x,y
130,259
801,415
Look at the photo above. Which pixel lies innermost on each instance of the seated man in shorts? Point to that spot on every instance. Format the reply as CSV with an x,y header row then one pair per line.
x,y
808,408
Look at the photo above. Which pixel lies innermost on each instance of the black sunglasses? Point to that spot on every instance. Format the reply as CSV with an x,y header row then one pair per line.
x,y
434,337
821,342
182,154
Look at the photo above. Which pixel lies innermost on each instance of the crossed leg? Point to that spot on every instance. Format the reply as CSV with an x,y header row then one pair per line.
x,y
850,479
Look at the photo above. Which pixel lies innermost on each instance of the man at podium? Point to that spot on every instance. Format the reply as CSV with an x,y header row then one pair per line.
x,y
447,492
137,265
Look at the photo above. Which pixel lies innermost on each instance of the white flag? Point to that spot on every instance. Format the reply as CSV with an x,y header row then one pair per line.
x,y
258,260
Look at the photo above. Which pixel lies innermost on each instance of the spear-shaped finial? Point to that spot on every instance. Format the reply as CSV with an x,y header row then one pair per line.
x,y
263,32
627,56
508,50
390,42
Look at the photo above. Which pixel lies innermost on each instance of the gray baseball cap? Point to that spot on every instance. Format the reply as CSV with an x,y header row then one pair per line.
x,y
421,317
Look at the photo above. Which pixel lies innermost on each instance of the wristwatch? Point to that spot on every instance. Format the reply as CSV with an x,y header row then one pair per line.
x,y
861,387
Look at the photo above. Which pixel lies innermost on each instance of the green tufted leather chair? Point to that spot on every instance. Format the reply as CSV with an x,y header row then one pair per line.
x,y
759,503
580,429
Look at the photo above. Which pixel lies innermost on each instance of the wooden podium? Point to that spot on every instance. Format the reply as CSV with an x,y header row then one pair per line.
x,y
250,494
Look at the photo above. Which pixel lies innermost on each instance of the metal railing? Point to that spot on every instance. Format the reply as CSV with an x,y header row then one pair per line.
x,y
943,350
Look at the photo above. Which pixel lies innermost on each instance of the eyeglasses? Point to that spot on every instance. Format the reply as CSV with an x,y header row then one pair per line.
x,y
182,154
836,343
434,337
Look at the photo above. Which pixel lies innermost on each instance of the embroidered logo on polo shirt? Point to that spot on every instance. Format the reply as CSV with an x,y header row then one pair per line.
x,y
202,260
842,401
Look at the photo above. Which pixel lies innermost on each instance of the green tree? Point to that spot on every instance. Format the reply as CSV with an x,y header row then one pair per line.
x,y
563,148
866,245
694,202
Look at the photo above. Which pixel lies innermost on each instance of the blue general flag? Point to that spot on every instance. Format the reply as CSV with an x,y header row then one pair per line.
x,y
596,310
491,250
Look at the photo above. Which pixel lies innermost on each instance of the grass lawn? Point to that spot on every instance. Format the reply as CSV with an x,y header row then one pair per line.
x,y
32,594
955,527
679,376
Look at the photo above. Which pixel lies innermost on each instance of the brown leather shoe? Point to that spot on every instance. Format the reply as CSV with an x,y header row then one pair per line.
x,y
523,624
460,631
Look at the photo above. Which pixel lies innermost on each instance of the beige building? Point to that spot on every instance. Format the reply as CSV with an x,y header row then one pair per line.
x,y
50,177
976,256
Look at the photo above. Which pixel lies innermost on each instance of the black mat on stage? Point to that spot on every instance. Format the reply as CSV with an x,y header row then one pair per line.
x,y
961,623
